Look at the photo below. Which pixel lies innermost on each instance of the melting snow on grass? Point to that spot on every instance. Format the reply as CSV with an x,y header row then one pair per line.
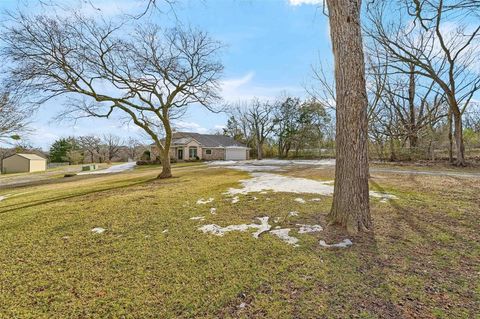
x,y
235,200
300,200
213,211
112,169
98,230
283,235
197,218
2,198
309,228
343,244
202,201
220,231
293,214
261,182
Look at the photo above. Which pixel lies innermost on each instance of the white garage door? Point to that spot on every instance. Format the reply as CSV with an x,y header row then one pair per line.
x,y
236,154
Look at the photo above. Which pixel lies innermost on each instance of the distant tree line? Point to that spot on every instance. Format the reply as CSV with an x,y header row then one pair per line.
x,y
281,127
93,149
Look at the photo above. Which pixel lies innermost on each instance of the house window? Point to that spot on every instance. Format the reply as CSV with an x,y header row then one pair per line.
x,y
208,152
192,152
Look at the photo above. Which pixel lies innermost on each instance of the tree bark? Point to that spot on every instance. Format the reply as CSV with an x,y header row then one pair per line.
x,y
259,151
413,138
165,149
450,136
350,206
458,131
166,166
393,156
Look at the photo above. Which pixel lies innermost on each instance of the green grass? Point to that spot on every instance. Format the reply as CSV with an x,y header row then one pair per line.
x,y
421,260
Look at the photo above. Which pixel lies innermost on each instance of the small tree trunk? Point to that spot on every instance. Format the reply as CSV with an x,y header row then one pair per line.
x,y
350,206
450,137
459,139
393,156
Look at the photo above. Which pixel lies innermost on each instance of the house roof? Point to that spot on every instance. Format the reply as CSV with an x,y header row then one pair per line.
x,y
206,140
33,157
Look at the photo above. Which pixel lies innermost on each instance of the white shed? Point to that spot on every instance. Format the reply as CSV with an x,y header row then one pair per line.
x,y
23,163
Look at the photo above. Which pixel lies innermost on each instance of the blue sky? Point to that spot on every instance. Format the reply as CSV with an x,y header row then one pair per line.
x,y
270,48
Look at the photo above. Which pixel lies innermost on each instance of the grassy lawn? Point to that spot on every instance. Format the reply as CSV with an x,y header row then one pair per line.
x,y
422,260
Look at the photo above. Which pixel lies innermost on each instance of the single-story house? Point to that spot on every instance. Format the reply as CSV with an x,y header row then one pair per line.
x,y
23,163
208,147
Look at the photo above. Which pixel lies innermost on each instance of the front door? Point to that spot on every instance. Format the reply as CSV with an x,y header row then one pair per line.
x,y
180,154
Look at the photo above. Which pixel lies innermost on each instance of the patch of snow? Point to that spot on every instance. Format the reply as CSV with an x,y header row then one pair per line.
x,y
165,231
300,200
112,169
343,244
202,201
220,231
98,230
255,168
264,227
242,305
293,214
255,198
384,197
309,228
222,163
269,164
261,182
325,162
197,218
213,211
277,219
315,199
283,235
3,198
235,200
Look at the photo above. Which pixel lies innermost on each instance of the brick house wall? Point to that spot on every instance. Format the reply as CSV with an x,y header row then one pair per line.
x,y
216,154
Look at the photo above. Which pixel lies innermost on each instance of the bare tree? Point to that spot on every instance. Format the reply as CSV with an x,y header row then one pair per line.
x,y
257,119
350,206
13,118
135,148
431,48
91,146
149,77
112,144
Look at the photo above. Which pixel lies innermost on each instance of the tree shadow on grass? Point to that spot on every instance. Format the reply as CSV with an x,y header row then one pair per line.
x,y
18,206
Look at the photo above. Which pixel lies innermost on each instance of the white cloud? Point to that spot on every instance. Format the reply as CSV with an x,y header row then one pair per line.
x,y
190,127
243,88
301,2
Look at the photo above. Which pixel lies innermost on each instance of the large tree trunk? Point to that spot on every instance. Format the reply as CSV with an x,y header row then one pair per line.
x,y
166,166
259,150
165,150
350,206
457,117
